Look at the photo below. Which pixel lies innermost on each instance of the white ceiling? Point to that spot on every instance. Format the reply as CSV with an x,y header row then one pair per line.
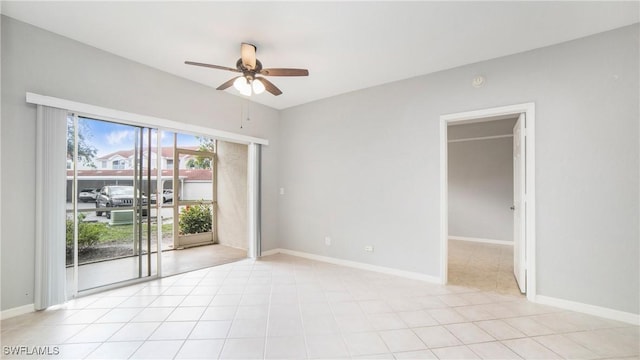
x,y
345,45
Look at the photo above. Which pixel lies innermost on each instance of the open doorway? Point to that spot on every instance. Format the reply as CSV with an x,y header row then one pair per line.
x,y
481,221
206,219
488,228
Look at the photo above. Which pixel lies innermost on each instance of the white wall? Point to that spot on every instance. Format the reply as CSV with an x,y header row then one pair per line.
x,y
197,190
364,167
232,194
38,61
481,189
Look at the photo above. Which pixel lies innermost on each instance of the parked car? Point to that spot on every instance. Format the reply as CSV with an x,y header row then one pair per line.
x,y
117,196
88,195
167,196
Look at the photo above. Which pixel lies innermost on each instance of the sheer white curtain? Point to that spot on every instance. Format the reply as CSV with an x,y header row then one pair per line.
x,y
51,177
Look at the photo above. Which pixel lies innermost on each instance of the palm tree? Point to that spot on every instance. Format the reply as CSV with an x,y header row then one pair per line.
x,y
200,162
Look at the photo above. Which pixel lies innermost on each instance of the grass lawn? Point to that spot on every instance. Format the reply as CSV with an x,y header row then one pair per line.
x,y
110,241
124,233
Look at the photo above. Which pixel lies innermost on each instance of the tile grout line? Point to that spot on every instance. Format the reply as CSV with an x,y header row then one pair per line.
x,y
197,321
304,333
224,344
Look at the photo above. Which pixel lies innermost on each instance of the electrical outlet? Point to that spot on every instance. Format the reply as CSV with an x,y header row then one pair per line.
x,y
327,241
368,248
281,191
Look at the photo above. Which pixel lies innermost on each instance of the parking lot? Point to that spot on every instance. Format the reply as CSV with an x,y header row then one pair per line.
x,y
83,207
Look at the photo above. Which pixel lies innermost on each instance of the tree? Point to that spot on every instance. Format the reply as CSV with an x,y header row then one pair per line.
x,y
206,144
86,152
201,162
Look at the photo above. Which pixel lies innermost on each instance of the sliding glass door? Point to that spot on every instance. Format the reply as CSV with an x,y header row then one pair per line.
x,y
111,227
131,189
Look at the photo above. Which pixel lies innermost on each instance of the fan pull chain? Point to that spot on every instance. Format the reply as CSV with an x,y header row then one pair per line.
x,y
248,110
244,111
241,115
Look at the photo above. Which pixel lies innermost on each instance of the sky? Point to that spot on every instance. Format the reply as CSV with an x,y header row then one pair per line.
x,y
110,137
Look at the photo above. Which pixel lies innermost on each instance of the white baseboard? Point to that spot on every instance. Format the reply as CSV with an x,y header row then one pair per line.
x,y
481,240
270,252
20,310
603,312
357,265
545,300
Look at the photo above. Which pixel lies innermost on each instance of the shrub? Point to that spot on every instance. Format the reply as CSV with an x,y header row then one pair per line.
x,y
195,219
88,233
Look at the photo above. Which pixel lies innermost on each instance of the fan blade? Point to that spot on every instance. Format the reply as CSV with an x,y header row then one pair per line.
x,y
248,52
211,66
268,85
227,84
285,72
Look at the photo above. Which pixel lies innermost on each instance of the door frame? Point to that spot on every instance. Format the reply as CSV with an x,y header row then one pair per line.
x,y
484,115
179,201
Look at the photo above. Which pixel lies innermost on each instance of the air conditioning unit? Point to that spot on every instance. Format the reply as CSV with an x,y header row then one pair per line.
x,y
121,217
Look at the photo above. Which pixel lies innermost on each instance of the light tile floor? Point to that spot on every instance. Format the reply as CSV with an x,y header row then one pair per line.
x,y
284,307
482,266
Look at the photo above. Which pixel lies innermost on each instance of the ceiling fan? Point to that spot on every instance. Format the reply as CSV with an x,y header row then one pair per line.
x,y
250,67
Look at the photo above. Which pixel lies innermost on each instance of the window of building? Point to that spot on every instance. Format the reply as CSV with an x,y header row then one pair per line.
x,y
118,165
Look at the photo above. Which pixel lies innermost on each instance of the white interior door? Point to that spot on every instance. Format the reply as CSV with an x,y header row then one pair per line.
x,y
519,190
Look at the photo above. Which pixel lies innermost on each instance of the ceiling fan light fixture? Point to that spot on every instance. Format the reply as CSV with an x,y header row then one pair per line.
x,y
247,67
242,85
248,55
258,86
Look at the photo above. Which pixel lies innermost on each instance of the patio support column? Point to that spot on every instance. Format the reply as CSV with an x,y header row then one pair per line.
x,y
253,207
